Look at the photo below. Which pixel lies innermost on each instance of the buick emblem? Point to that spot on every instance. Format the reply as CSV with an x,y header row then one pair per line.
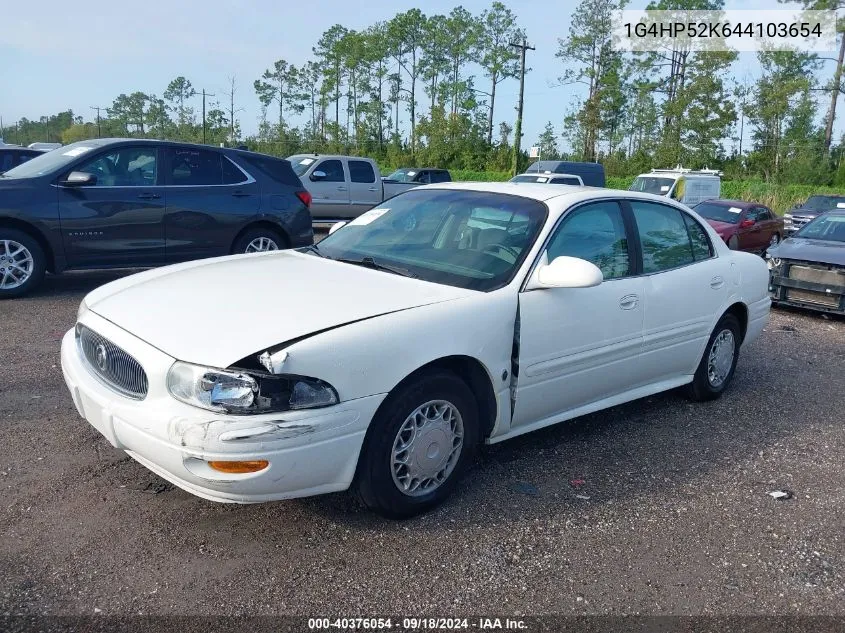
x,y
101,357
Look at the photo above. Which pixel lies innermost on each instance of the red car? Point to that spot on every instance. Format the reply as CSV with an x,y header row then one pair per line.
x,y
745,226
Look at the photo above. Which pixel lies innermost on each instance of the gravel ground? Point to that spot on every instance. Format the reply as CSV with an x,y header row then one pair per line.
x,y
673,515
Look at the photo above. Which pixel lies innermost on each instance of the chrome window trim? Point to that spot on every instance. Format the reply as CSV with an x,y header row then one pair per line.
x,y
538,258
249,180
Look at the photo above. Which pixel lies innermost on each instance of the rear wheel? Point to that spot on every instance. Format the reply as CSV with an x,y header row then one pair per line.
x,y
418,445
717,366
22,263
259,240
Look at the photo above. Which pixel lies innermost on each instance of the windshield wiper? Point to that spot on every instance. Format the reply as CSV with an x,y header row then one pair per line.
x,y
314,249
369,262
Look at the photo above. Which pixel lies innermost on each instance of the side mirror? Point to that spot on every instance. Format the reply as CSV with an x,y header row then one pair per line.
x,y
336,226
318,175
747,223
79,179
566,272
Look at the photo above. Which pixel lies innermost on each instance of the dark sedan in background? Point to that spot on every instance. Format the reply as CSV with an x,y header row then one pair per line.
x,y
801,214
744,226
808,270
112,203
13,155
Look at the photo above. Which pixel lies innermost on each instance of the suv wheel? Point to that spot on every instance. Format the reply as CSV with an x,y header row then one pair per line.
x,y
259,240
22,263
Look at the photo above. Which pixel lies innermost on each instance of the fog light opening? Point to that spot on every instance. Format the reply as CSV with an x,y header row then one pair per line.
x,y
240,468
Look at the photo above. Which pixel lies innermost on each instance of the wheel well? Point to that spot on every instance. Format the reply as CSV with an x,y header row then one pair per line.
x,y
262,225
12,223
472,372
740,311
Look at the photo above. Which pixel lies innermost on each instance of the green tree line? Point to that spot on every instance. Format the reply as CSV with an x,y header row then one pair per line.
x,y
421,89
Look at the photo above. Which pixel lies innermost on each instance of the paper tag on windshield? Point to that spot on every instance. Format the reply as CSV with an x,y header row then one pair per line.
x,y
76,151
541,179
735,210
368,217
412,173
306,161
664,188
840,205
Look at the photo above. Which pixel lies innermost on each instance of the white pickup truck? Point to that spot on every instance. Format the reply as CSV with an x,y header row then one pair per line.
x,y
343,187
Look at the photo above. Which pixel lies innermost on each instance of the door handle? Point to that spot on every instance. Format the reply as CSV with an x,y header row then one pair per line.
x,y
240,194
372,189
629,302
149,196
717,282
341,188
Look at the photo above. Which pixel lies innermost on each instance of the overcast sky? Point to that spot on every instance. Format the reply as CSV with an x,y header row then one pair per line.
x,y
57,55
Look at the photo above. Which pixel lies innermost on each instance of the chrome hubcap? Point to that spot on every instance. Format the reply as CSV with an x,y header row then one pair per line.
x,y
721,358
16,264
261,244
427,448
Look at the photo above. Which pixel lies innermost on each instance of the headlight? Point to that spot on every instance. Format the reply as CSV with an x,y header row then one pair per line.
x,y
787,218
246,393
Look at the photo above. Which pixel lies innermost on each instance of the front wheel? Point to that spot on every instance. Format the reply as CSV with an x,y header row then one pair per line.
x,y
22,263
717,366
418,445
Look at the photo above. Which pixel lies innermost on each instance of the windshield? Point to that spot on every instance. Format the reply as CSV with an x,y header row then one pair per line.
x,y
652,184
469,239
301,164
50,161
718,212
823,203
824,227
403,175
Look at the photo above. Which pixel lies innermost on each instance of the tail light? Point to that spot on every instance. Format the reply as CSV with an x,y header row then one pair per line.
x,y
305,196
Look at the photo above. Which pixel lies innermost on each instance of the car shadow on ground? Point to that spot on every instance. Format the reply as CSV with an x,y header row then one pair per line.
x,y
78,282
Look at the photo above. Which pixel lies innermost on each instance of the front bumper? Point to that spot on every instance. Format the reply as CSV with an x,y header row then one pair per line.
x,y
811,295
309,452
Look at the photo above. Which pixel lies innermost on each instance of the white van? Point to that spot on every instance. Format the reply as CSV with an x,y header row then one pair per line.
x,y
684,185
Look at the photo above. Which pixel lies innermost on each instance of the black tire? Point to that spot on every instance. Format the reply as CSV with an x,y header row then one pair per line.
x,y
259,232
374,480
36,271
702,387
733,243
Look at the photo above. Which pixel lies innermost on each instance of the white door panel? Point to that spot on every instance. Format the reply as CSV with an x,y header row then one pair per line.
x,y
576,346
681,308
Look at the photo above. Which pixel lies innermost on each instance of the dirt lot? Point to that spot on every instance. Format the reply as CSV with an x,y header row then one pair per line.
x,y
678,518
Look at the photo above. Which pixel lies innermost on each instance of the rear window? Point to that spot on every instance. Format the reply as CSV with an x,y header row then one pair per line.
x,y
274,168
441,176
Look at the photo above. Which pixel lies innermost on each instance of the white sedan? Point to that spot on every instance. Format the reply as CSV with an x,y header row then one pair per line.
x,y
381,358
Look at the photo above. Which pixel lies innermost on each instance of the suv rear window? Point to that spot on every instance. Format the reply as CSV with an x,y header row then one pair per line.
x,y
275,168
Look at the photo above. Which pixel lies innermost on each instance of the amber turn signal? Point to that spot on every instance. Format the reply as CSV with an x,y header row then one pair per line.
x,y
240,467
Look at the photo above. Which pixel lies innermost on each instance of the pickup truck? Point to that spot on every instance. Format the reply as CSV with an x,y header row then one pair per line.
x,y
343,187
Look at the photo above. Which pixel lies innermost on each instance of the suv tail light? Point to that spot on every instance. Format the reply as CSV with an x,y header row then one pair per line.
x,y
305,196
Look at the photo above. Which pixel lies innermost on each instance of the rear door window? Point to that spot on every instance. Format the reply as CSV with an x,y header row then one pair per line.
x,y
359,171
663,235
194,167
231,174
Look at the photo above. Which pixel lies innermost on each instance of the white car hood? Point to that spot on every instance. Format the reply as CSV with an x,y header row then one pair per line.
x,y
217,311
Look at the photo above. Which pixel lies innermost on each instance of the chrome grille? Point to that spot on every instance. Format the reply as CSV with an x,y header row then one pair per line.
x,y
111,365
798,221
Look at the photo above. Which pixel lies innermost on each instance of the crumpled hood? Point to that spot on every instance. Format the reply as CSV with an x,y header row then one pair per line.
x,y
822,251
217,311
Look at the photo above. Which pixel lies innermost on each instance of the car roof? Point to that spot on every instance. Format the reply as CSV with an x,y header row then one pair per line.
x,y
547,191
105,142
